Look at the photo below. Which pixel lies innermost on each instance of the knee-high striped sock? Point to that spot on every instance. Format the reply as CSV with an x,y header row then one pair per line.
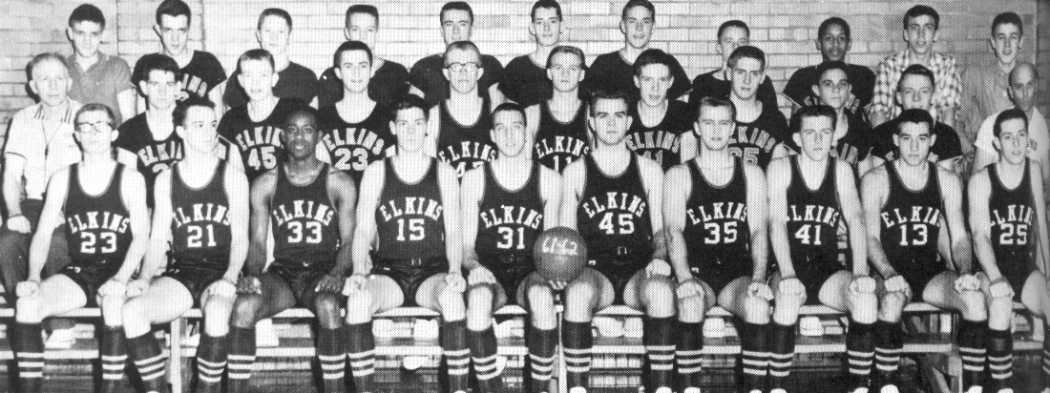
x,y
971,341
29,353
889,342
659,351
754,355
483,355
541,343
687,355
241,358
457,354
577,341
1046,354
782,354
361,350
332,357
860,353
145,352
114,355
1000,358
211,362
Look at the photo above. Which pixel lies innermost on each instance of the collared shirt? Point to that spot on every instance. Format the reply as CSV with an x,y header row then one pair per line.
x,y
45,144
1038,136
947,89
101,82
984,94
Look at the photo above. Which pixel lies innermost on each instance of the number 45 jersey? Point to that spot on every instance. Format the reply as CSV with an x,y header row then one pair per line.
x,y
717,234
613,217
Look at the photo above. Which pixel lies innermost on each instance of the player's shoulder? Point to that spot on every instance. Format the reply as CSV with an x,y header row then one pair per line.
x,y
474,176
204,57
576,170
431,61
547,173
753,172
649,166
877,175
265,181
780,166
339,179
981,176
945,175
301,71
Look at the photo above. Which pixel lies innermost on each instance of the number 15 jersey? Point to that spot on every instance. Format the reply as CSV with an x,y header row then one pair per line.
x,y
409,218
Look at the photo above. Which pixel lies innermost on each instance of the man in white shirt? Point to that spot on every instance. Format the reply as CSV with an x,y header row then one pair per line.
x,y
1023,81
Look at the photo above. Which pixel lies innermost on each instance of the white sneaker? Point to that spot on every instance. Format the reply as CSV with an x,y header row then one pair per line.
x,y
810,326
1005,390
608,327
691,390
413,363
714,327
265,334
891,388
980,389
663,389
425,329
634,328
778,390
61,339
578,389
860,390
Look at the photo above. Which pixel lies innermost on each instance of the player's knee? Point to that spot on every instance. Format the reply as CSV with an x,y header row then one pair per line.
x,y
863,307
540,295
245,311
973,306
580,293
756,309
1000,313
453,307
112,310
326,309
27,310
658,290
479,307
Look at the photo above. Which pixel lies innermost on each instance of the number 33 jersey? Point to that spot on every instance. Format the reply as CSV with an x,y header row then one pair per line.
x,y
910,223
98,227
613,216
200,224
304,220
717,234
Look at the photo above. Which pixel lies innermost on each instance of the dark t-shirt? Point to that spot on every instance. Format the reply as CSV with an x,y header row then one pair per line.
x,y
525,82
800,86
427,77
944,147
610,72
197,78
389,83
706,85
295,81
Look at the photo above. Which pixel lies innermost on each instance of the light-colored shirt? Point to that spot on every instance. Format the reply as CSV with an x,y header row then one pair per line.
x,y
947,84
46,145
101,82
1038,136
984,94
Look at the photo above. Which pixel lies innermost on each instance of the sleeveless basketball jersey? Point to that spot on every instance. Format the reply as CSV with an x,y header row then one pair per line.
x,y
465,147
352,146
200,223
661,142
613,216
410,217
813,216
98,227
910,223
510,220
717,233
304,220
1012,212
559,144
259,142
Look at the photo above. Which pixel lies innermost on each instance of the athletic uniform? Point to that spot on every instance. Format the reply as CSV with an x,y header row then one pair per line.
x,y
387,85
525,82
814,217
613,219
1012,212
910,222
151,155
717,233
855,146
352,146
258,142
754,141
661,142
98,229
200,231
559,144
410,229
197,78
465,147
707,85
509,221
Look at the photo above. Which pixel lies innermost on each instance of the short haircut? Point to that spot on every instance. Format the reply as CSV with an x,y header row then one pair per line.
x,y
361,9
827,66
349,46
1020,66
87,13
732,23
96,107
510,107
608,95
45,57
545,4
812,111
832,21
638,3
1009,114
570,50
749,52
157,62
256,54
278,12
920,10
301,109
409,101
173,8
916,69
713,102
914,116
178,116
1008,18
649,57
456,6
461,45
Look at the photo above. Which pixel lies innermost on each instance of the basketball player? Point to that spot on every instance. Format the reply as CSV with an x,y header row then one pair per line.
x,y
661,127
107,229
506,204
851,141
915,91
354,130
428,77
908,205
812,195
717,83
715,207
1008,216
558,125
833,41
761,130
389,80
310,207
407,249
255,128
273,31
612,197
200,220
525,78
458,129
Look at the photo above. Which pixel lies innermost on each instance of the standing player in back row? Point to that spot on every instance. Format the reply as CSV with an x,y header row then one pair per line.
x,y
525,78
389,80
428,77
732,34
558,125
458,127
761,130
273,31
661,126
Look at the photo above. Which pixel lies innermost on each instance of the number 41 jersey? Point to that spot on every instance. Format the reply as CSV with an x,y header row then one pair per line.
x,y
613,216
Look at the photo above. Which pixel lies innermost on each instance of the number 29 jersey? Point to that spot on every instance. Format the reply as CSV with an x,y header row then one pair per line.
x,y
910,223
717,233
304,221
410,222
200,224
613,217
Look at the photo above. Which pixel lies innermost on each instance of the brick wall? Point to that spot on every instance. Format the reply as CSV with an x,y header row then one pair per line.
x,y
409,29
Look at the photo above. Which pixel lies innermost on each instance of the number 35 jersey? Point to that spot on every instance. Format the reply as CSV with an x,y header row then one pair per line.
x,y
98,227
200,223
410,222
910,223
304,221
352,146
717,234
613,217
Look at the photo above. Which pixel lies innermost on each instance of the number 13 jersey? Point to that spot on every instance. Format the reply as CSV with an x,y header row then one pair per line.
x,y
304,220
910,223
613,216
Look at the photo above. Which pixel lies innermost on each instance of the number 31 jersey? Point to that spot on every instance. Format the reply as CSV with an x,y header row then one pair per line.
x,y
613,216
717,234
200,224
509,221
304,221
409,218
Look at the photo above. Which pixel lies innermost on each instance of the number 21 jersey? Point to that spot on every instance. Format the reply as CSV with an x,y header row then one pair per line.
x,y
613,216
200,224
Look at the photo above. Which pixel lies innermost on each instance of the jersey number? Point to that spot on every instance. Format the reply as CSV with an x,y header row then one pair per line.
x,y
718,233
804,237
623,225
1013,234
263,157
89,242
747,154
920,235
511,238
350,159
415,229
196,235
297,228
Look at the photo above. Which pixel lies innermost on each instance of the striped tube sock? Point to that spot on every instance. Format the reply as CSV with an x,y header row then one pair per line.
x,y
211,362
659,351
782,353
145,353
28,346
860,353
1046,354
113,354
483,355
754,355
332,358
971,341
453,337
889,342
241,358
361,351
1000,358
577,341
687,355
541,344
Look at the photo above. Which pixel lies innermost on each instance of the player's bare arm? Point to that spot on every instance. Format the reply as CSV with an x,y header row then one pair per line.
x,y
261,194
853,214
365,230
652,180
236,184
433,131
573,178
343,192
449,186
1042,240
961,250
133,190
550,191
160,237
471,192
979,191
50,218
778,177
875,188
677,187
757,213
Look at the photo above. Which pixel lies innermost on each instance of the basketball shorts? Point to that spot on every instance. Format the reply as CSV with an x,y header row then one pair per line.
x,y
618,271
196,277
918,274
1016,267
718,273
510,271
813,270
409,274
90,275
302,279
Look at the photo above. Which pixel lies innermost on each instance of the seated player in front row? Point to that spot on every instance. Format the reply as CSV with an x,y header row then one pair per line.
x,y
715,207
811,195
506,204
913,210
310,208
103,204
1007,214
612,197
407,249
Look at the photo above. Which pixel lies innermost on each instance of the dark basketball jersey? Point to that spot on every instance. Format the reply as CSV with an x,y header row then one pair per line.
x,y
304,220
465,147
754,141
559,144
509,221
196,79
813,217
258,142
200,222
352,146
1012,212
151,155
409,218
856,144
910,223
661,142
717,233
98,227
613,216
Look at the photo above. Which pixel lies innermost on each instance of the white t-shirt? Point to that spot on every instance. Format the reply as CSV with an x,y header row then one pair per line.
x,y
1038,137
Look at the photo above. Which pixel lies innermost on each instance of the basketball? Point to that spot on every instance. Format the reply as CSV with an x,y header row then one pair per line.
x,y
560,254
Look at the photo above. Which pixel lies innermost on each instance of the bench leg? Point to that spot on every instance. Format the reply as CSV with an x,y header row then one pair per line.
x,y
175,355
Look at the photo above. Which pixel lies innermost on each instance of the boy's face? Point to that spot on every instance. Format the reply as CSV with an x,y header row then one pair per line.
x,y
546,27
508,132
362,27
273,35
86,37
257,78
921,33
715,125
354,70
745,76
1006,42
463,70
637,27
814,136
914,141
833,88
1013,141
731,38
653,82
410,128
199,129
174,32
565,71
915,92
834,44
160,88
455,26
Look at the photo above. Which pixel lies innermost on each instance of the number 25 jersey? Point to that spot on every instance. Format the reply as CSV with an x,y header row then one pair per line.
x,y
613,216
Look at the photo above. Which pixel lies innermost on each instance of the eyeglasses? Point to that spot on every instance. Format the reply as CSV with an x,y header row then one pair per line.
x,y
95,128
460,67
559,68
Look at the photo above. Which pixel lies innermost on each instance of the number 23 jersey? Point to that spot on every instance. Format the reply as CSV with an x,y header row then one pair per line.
x,y
613,216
